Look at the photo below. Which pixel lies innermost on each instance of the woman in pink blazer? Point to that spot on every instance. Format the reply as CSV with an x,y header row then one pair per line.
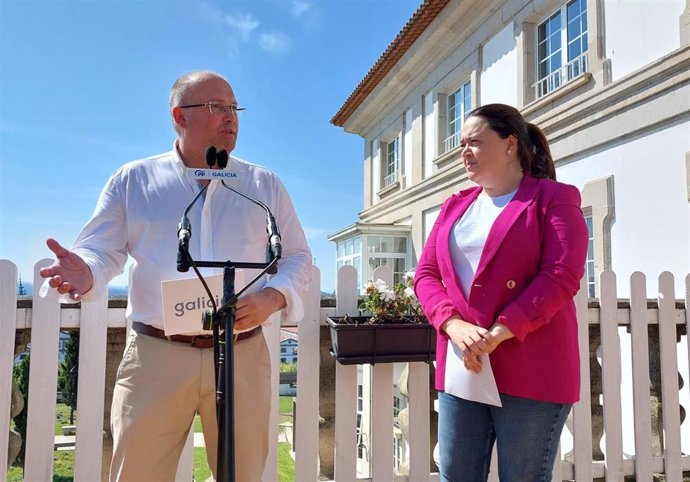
x,y
497,277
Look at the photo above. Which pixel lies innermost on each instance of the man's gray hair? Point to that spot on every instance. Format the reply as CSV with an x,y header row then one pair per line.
x,y
185,83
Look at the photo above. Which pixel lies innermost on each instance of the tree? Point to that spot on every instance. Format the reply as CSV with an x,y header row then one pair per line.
x,y
68,373
21,380
21,291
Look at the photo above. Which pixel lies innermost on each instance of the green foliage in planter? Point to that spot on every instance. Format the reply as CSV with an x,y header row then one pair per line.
x,y
398,304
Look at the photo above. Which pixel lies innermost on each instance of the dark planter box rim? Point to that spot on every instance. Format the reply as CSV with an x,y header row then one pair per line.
x,y
381,342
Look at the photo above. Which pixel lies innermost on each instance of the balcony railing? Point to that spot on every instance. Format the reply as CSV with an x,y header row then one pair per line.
x,y
451,142
390,179
561,77
634,361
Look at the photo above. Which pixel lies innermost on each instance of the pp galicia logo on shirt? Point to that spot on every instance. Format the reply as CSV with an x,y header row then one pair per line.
x,y
211,174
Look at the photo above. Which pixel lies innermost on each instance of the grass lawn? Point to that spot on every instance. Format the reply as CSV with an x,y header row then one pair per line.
x,y
63,461
197,424
285,410
63,468
63,465
286,466
62,417
201,471
285,405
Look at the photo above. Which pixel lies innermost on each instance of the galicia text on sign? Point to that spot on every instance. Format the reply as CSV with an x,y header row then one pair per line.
x,y
212,174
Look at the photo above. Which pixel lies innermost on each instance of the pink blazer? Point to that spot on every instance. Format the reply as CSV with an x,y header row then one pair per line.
x,y
528,274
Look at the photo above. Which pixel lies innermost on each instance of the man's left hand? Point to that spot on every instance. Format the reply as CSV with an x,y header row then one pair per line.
x,y
253,309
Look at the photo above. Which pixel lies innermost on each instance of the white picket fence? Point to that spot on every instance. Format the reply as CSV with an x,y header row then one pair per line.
x,y
47,318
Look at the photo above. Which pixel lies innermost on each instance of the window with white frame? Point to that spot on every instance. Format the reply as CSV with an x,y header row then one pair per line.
x,y
349,253
599,208
366,252
388,251
589,267
396,406
398,450
459,105
392,163
561,47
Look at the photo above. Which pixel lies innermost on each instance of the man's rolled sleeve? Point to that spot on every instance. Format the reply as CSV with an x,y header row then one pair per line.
x,y
292,291
294,306
102,242
295,267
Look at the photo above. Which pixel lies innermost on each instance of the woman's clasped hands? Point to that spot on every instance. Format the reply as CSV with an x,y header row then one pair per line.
x,y
474,340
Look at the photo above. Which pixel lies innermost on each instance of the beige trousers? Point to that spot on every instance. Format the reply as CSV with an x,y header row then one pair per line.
x,y
161,385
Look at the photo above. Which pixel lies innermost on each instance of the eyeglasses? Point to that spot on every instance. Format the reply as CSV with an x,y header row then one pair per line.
x,y
217,108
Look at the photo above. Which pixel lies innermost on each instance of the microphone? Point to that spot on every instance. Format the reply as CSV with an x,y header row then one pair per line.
x,y
211,156
184,230
276,250
274,236
182,260
222,157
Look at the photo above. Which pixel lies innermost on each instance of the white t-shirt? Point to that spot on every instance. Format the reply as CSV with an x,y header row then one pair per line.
x,y
468,237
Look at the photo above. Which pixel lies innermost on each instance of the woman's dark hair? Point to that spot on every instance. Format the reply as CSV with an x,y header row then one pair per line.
x,y
533,149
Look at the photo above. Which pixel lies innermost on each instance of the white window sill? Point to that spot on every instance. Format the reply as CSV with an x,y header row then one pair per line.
x,y
388,190
567,88
443,159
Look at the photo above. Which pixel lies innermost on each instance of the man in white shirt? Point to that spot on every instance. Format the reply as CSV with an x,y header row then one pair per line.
x,y
163,382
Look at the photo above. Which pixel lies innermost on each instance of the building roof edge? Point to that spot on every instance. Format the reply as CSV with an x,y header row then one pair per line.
x,y
414,27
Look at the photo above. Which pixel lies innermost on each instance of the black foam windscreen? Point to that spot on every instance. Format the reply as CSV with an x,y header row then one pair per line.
x,y
222,158
211,156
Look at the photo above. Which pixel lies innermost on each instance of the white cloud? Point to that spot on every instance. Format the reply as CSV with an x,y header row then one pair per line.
x,y
299,7
275,42
235,29
242,28
242,24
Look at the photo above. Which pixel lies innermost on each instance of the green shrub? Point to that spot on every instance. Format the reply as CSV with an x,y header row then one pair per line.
x,y
21,380
68,374
288,367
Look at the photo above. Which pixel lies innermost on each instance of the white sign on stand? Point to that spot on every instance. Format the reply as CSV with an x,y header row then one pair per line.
x,y
185,301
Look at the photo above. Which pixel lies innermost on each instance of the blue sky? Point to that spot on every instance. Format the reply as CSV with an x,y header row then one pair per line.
x,y
84,86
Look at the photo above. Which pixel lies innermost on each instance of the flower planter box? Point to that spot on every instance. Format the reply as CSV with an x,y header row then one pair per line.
x,y
358,341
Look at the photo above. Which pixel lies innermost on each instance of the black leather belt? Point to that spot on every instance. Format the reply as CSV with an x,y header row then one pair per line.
x,y
197,341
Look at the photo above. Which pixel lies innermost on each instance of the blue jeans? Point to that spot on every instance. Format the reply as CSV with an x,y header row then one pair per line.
x,y
527,433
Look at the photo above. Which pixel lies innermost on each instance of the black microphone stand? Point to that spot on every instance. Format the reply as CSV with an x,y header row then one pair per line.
x,y
223,318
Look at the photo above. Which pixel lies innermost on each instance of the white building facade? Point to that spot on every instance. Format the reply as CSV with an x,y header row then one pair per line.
x,y
288,347
607,81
